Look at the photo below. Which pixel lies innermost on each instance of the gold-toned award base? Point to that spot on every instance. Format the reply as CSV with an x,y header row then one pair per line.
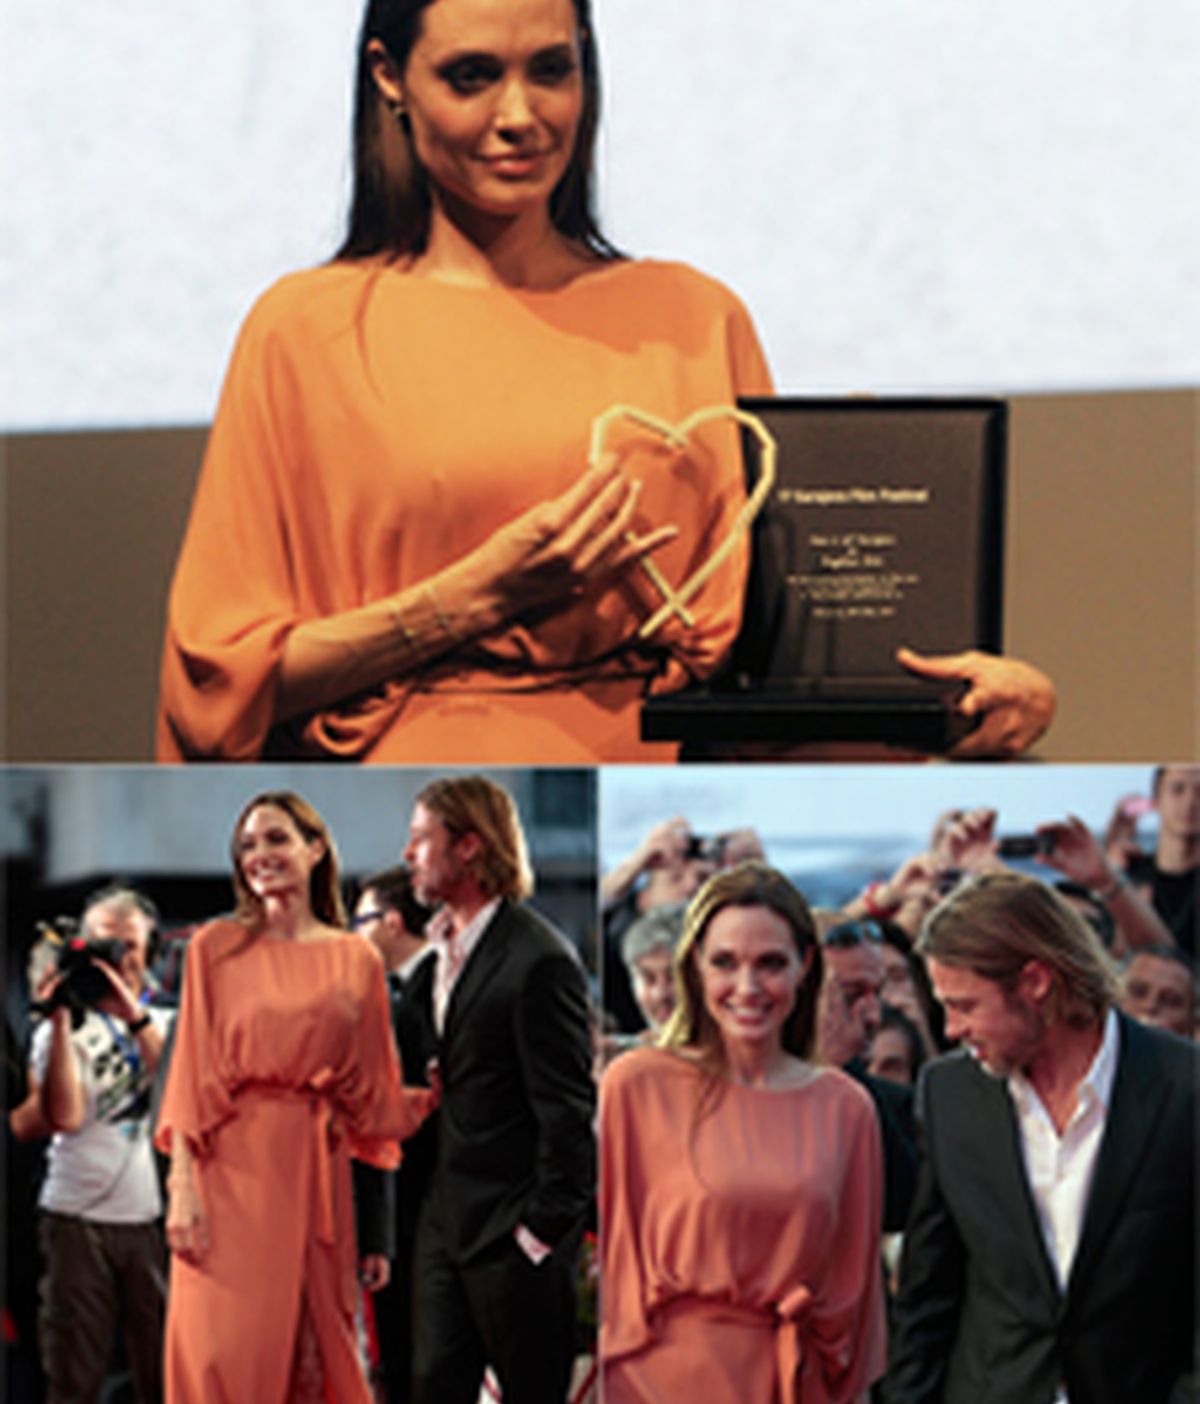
x,y
676,598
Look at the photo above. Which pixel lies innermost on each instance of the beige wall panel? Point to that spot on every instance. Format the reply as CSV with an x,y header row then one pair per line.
x,y
1101,586
93,525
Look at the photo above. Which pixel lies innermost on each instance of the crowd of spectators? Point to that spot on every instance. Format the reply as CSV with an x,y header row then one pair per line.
x,y
1140,897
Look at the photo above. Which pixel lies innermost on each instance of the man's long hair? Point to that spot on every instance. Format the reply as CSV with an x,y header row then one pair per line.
x,y
996,924
473,804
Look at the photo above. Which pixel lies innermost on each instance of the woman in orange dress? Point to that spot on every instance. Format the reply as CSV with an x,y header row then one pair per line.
x,y
741,1186
397,548
284,1066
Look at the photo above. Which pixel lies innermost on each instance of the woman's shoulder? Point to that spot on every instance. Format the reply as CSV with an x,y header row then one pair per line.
x,y
216,937
846,1093
670,278
310,298
351,956
640,1067
354,948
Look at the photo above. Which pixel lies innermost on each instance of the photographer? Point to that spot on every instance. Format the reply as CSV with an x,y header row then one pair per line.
x,y
93,1058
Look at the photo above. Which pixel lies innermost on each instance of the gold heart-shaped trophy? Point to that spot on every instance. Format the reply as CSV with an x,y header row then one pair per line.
x,y
675,601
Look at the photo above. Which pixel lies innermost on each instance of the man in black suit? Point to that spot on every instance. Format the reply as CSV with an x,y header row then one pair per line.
x,y
515,1173
389,915
1050,1255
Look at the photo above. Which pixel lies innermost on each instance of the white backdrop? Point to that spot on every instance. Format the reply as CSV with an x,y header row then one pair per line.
x,y
931,194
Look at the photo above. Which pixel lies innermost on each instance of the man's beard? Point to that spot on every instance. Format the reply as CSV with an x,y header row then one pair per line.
x,y
1033,1028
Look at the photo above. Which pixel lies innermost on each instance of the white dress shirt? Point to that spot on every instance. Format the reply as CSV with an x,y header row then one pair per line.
x,y
453,951
1060,1168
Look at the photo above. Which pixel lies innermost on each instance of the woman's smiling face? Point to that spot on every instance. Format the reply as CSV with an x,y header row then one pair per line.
x,y
493,93
751,972
273,855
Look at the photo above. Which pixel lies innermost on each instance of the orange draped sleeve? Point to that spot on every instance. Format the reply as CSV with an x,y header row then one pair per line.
x,y
196,1098
379,1111
234,601
374,428
260,1014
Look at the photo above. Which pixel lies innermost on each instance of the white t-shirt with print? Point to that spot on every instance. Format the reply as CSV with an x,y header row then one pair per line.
x,y
105,1171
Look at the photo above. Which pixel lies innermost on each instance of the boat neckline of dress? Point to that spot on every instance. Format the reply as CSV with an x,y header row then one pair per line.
x,y
815,1075
303,940
584,279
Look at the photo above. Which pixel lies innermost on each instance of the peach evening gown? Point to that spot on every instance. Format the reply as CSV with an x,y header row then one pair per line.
x,y
284,1066
740,1253
375,427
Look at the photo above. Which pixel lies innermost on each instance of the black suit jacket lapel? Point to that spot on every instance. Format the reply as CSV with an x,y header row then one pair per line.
x,y
418,988
481,967
1137,1096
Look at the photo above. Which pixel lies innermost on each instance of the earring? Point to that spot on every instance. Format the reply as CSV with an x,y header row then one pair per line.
x,y
398,110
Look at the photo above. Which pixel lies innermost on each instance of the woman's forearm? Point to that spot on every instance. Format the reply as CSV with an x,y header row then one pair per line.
x,y
187,1227
549,555
180,1175
325,661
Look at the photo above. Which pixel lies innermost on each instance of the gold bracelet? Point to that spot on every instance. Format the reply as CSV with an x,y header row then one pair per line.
x,y
447,627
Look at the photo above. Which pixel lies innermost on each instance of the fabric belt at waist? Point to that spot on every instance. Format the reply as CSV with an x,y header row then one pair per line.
x,y
800,1345
332,1206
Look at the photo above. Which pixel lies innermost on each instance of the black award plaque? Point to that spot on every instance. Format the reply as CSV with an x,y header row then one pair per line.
x,y
884,527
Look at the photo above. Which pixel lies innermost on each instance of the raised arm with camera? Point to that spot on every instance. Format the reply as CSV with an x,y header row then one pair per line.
x,y
107,975
1076,853
665,846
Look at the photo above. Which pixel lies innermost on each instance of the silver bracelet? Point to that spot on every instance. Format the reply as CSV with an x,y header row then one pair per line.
x,y
409,636
1120,881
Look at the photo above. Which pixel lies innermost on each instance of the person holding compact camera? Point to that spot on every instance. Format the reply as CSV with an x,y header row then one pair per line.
x,y
93,1058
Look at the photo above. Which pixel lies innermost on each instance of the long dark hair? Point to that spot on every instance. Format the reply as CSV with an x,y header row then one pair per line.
x,y
691,1027
324,882
390,203
749,884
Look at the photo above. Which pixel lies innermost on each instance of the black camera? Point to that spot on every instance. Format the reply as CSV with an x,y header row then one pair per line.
x,y
1025,846
83,985
712,850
